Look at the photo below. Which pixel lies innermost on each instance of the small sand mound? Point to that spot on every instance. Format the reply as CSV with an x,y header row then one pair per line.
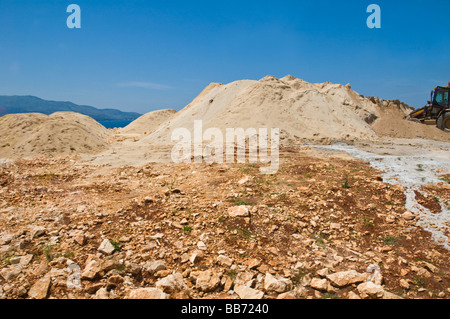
x,y
59,134
147,123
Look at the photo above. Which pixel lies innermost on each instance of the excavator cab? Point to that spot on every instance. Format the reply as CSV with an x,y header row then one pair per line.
x,y
441,96
439,101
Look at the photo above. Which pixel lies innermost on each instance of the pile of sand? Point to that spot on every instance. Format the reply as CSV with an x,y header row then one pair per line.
x,y
147,123
392,123
301,110
62,133
320,112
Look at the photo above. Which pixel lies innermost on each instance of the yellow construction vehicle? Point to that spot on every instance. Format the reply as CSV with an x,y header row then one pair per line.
x,y
438,109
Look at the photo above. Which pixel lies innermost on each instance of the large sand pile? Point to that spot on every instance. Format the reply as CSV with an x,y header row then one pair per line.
x,y
61,133
147,123
301,110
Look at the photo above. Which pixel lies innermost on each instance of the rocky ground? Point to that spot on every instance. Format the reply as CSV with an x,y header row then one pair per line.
x,y
319,228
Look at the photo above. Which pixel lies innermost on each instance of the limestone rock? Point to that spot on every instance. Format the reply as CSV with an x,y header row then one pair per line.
x,y
92,268
369,290
6,239
201,245
245,292
24,260
106,247
155,266
430,267
408,215
287,295
80,239
245,278
208,280
375,272
319,284
276,284
352,295
37,231
345,278
102,293
132,268
390,295
335,226
171,284
40,289
323,272
195,257
404,284
147,293
252,263
238,211
225,261
10,273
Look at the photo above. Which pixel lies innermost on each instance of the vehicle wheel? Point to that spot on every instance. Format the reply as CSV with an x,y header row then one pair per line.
x,y
443,122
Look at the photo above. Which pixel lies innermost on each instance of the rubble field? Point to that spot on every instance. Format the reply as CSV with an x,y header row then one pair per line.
x,y
322,227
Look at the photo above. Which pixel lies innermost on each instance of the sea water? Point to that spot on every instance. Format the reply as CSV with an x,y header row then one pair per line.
x,y
115,124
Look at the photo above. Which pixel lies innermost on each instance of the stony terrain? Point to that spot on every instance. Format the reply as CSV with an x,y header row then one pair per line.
x,y
87,212
322,227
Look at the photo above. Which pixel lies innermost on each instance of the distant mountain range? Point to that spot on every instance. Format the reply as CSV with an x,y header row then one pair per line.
x,y
32,104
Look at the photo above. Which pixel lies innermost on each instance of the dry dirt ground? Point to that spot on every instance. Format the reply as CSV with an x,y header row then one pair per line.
x,y
214,231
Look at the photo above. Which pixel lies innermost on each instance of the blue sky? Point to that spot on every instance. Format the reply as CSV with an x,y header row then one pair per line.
x,y
145,55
